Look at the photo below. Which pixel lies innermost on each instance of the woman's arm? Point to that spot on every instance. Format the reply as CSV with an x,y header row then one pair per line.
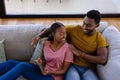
x,y
59,72
63,70
44,33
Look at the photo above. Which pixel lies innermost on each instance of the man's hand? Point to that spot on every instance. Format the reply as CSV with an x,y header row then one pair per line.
x,y
75,51
34,41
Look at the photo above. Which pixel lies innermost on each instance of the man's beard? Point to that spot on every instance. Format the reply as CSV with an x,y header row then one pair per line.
x,y
89,32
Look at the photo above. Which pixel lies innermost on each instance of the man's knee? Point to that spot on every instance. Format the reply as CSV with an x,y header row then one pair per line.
x,y
90,75
72,74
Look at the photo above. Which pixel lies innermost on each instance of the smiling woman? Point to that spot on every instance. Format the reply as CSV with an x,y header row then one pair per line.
x,y
58,8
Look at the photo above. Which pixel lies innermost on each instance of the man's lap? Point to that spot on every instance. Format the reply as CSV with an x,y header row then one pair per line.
x,y
80,73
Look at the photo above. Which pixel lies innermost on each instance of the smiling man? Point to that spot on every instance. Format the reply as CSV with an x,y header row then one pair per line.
x,y
89,47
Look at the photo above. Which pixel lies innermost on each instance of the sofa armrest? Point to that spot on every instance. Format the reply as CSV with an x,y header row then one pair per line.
x,y
111,70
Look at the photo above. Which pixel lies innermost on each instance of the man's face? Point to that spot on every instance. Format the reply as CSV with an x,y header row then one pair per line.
x,y
89,25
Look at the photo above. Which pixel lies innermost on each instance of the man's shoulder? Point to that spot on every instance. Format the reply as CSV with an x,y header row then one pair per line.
x,y
100,36
99,33
72,27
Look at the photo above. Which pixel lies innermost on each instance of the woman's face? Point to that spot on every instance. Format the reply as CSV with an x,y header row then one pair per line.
x,y
60,34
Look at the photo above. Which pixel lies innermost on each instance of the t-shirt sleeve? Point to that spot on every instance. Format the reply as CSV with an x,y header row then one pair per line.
x,y
102,42
69,28
68,55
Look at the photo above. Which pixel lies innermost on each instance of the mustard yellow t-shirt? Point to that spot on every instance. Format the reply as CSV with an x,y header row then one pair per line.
x,y
86,43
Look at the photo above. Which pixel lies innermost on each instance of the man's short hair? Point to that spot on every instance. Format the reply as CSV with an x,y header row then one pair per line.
x,y
94,14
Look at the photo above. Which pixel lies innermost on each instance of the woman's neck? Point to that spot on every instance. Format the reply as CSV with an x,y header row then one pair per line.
x,y
56,45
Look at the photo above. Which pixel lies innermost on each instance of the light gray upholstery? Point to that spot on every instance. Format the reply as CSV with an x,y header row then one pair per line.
x,y
18,40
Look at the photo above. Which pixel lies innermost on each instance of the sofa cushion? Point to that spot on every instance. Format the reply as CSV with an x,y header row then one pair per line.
x,y
111,70
102,26
2,52
38,50
112,36
18,40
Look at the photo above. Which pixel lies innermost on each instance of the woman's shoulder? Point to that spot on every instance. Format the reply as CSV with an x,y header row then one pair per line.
x,y
47,42
66,45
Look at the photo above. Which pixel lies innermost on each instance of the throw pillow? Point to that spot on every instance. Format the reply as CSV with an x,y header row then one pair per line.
x,y
112,36
102,26
38,50
2,52
111,70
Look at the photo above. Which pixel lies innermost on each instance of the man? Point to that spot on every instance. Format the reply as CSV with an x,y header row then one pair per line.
x,y
89,47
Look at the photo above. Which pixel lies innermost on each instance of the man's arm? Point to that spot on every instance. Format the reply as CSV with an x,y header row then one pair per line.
x,y
100,58
44,33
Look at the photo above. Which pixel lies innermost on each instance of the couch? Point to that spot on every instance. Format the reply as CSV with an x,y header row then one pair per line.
x,y
17,45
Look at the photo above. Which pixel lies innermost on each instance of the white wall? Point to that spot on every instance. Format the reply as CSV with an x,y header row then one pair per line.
x,y
65,7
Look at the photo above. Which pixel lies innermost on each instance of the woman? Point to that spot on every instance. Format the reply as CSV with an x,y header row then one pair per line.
x,y
57,57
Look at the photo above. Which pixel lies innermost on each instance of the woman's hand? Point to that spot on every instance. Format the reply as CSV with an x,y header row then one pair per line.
x,y
46,72
38,61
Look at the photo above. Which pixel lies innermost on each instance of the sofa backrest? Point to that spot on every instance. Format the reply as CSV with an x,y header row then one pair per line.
x,y
102,26
18,40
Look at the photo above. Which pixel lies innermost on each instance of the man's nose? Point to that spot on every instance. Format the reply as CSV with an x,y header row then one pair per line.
x,y
85,27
